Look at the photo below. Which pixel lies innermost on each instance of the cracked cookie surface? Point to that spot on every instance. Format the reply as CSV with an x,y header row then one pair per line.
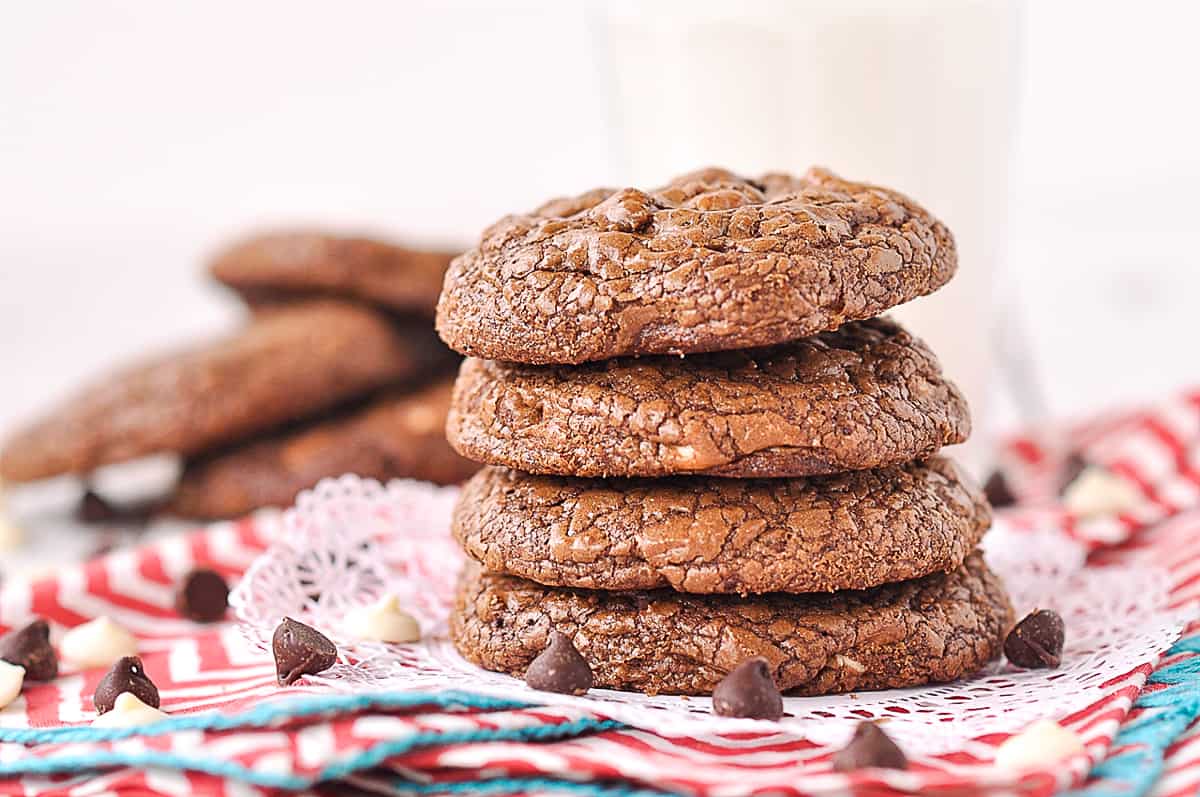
x,y
708,535
398,435
865,396
287,363
932,630
710,262
297,263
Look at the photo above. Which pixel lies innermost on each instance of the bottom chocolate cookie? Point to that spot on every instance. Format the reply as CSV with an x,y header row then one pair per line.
x,y
400,435
930,630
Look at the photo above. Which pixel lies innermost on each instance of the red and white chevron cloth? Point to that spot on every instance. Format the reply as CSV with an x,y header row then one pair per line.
x,y
234,732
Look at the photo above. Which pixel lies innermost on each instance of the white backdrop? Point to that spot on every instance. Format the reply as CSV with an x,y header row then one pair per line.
x,y
136,136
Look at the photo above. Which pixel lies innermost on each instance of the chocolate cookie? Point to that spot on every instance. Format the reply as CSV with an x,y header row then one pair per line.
x,y
286,364
396,436
849,531
710,262
865,396
938,628
296,263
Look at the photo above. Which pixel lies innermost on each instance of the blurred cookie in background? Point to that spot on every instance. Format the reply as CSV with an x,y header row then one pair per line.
x,y
285,365
397,435
284,265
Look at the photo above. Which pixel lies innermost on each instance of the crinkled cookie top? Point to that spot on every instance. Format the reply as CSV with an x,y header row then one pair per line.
x,y
711,261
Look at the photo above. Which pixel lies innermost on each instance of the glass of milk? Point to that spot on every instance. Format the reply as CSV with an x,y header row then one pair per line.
x,y
916,95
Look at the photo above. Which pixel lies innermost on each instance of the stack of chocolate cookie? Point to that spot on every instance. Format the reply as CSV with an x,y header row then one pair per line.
x,y
704,447
337,371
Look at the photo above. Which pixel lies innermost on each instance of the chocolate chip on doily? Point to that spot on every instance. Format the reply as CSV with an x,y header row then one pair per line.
x,y
559,668
749,691
1036,641
300,650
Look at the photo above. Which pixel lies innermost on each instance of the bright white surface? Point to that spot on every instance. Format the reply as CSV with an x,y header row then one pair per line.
x,y
136,136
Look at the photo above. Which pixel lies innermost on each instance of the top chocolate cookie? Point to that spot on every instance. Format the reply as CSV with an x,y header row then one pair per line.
x,y
288,264
711,261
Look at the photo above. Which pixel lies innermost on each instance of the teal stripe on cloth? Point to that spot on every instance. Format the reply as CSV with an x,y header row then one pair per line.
x,y
1133,772
1130,772
365,759
267,714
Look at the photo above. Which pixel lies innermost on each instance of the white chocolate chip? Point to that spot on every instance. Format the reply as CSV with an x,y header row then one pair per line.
x,y
383,621
1043,743
98,643
850,664
1097,491
128,712
12,678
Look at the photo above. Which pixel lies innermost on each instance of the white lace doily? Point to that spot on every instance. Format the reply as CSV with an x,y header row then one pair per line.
x,y
350,540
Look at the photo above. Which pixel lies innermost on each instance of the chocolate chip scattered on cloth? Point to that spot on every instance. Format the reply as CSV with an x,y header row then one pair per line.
x,y
127,675
714,535
711,261
870,747
930,630
202,595
866,396
29,647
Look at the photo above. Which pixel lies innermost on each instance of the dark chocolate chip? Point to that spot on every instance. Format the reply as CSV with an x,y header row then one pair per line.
x,y
30,648
202,595
559,668
93,508
869,747
998,493
127,675
301,650
748,691
1070,469
1036,641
